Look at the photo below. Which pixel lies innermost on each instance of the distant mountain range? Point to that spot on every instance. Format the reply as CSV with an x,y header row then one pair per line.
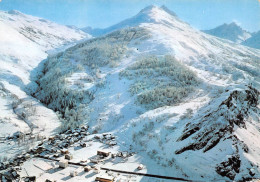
x,y
236,34
230,31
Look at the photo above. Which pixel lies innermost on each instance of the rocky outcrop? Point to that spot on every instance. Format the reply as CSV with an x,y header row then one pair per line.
x,y
219,125
214,126
230,167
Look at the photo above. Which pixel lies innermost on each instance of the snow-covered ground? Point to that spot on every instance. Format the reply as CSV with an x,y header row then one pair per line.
x,y
209,131
83,155
24,42
166,134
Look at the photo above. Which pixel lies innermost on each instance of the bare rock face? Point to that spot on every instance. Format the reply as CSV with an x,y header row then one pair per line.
x,y
214,126
219,125
230,167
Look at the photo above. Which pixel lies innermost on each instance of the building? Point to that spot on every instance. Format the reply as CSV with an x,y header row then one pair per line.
x,y
103,153
104,178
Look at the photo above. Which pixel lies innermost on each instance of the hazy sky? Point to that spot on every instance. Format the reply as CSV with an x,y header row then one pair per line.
x,y
202,14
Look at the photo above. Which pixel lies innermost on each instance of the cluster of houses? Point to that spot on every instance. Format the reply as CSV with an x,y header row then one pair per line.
x,y
107,139
64,163
55,148
52,147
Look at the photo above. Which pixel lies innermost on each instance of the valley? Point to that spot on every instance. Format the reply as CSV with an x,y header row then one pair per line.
x,y
150,95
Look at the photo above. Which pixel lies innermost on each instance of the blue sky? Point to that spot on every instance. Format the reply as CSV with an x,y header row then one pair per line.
x,y
202,14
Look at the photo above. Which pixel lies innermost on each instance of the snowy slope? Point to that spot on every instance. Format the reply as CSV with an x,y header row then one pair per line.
x,y
24,42
41,31
230,31
253,41
141,17
177,96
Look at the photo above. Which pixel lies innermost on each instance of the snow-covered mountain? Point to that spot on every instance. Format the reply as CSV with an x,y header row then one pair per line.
x,y
230,31
253,41
141,17
24,43
175,95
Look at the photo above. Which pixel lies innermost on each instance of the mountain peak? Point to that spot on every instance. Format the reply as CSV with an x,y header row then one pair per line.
x,y
149,8
231,31
152,11
233,25
150,14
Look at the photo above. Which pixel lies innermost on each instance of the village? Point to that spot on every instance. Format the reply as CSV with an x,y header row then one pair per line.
x,y
74,155
129,91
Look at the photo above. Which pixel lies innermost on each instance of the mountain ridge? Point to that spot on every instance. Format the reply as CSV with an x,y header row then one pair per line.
x,y
149,79
253,41
24,43
146,15
185,103
230,31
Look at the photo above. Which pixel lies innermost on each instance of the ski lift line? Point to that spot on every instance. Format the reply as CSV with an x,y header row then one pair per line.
x,y
38,167
146,174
